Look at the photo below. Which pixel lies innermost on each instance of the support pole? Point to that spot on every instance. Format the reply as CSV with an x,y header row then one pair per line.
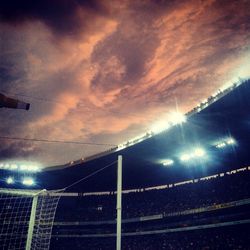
x,y
119,204
31,222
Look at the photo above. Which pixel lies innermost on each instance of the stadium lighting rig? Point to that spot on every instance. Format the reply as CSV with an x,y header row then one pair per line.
x,y
230,141
185,157
22,167
10,180
168,162
28,181
177,118
226,142
197,153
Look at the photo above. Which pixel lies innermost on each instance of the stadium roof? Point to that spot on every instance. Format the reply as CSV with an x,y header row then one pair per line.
x,y
213,140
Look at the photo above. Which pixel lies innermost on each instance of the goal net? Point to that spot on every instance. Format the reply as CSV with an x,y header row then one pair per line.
x,y
26,218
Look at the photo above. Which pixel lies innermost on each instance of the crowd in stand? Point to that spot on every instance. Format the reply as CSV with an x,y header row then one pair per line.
x,y
233,237
184,197
189,196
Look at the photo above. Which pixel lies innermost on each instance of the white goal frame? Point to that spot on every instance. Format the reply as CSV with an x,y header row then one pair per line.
x,y
39,217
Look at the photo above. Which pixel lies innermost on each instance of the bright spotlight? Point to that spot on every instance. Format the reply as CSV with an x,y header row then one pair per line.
x,y
177,118
10,180
230,141
168,162
29,167
28,181
221,145
199,152
185,157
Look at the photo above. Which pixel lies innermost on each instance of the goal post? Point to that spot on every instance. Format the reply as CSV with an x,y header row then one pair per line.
x,y
26,218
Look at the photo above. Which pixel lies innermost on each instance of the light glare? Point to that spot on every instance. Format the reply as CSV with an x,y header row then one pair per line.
x,y
10,180
177,118
185,157
199,152
168,162
28,182
230,141
221,145
159,127
20,167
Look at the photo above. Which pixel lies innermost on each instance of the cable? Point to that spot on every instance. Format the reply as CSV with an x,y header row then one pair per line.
x,y
56,141
88,176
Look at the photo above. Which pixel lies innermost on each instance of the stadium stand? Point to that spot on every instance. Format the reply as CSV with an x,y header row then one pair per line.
x,y
139,203
207,214
207,239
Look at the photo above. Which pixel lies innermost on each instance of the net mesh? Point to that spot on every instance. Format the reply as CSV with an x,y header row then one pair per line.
x,y
15,216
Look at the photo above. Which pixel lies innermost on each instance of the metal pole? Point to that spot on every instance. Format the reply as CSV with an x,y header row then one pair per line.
x,y
31,223
119,203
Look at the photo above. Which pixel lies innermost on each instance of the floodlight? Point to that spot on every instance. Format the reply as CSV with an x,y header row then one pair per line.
x,y
10,180
185,157
28,181
230,141
221,145
168,162
177,118
199,152
23,167
34,168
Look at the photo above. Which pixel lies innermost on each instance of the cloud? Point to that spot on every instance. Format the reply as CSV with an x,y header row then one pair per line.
x,y
96,70
64,18
17,150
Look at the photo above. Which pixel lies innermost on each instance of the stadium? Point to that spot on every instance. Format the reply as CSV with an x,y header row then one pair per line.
x,y
185,187
124,125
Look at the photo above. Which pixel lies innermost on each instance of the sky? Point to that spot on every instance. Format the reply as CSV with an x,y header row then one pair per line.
x,y
106,71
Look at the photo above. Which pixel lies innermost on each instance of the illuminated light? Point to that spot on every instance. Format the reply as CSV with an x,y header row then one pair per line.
x,y
29,168
23,167
13,167
7,166
10,180
32,168
225,142
159,127
221,145
199,152
20,167
185,157
177,118
168,162
230,141
28,181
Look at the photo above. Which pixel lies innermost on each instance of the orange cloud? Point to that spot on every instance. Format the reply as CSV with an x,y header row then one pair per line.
x,y
116,68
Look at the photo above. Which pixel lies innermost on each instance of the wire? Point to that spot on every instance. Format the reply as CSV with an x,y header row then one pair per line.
x,y
88,176
56,141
